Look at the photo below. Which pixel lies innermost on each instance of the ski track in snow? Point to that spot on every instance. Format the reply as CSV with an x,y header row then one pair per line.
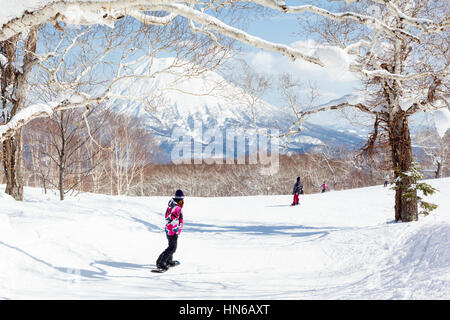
x,y
337,245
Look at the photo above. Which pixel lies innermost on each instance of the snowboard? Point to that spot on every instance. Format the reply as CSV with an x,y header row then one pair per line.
x,y
162,270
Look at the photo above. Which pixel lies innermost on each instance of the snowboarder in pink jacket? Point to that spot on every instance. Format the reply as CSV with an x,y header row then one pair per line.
x,y
174,225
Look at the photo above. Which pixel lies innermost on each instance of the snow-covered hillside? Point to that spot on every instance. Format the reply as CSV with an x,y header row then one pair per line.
x,y
207,101
337,245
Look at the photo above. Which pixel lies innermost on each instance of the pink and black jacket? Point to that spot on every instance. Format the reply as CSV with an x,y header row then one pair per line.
x,y
174,219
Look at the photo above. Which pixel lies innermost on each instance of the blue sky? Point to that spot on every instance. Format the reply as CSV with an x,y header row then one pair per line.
x,y
280,27
277,29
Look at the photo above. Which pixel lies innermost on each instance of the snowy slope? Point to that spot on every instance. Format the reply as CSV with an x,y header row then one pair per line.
x,y
208,101
337,245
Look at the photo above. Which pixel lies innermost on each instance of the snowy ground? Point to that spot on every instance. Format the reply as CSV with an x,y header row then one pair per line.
x,y
338,245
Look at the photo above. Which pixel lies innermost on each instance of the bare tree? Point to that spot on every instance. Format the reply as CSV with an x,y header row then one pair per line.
x,y
97,153
401,54
251,87
15,68
59,146
131,148
38,165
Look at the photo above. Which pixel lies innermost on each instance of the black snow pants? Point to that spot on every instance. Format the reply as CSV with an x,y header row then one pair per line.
x,y
166,256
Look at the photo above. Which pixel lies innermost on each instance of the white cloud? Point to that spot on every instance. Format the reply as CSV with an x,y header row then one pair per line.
x,y
335,59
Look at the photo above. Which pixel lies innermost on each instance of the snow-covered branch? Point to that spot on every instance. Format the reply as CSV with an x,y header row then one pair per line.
x,y
107,12
359,18
217,25
354,101
381,73
84,12
41,110
196,29
150,19
426,25
356,45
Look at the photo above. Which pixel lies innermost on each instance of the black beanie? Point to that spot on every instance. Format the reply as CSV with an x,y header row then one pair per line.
x,y
179,195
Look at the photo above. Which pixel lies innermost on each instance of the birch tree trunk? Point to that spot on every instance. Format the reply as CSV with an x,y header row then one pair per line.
x,y
438,173
17,80
61,177
12,165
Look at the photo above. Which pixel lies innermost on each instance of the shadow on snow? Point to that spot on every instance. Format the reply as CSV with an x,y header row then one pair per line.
x,y
100,274
269,230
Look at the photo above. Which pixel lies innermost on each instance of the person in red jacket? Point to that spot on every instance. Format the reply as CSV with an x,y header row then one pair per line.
x,y
324,187
298,189
174,225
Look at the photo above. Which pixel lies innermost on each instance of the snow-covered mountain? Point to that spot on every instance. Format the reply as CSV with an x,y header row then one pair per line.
x,y
164,101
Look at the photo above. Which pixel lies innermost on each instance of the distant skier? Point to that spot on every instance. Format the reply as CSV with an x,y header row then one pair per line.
x,y
386,180
298,189
174,224
324,187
